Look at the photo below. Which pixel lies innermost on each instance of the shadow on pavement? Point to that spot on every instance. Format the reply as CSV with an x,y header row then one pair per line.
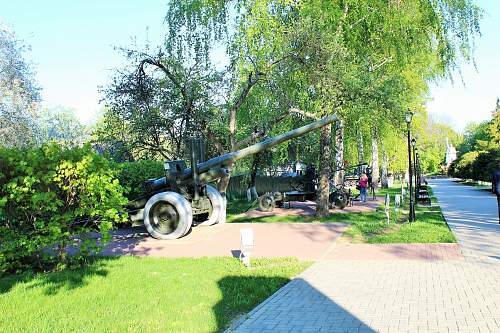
x,y
296,307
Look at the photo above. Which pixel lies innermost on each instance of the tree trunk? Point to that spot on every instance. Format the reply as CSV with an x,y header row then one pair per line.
x,y
385,167
339,154
253,175
292,155
325,142
360,150
375,165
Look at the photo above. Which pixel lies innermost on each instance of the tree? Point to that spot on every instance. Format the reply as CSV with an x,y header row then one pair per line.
x,y
340,56
60,124
495,124
19,94
476,137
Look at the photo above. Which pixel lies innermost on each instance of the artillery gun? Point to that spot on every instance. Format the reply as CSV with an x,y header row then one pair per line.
x,y
305,188
173,203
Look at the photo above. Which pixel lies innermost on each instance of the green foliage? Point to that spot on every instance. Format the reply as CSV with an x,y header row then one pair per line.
x,y
50,195
367,61
431,143
133,175
462,167
480,150
495,124
476,137
476,165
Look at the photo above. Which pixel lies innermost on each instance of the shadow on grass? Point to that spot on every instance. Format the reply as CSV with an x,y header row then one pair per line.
x,y
298,303
53,282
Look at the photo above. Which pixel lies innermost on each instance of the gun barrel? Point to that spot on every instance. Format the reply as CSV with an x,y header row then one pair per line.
x,y
218,163
232,157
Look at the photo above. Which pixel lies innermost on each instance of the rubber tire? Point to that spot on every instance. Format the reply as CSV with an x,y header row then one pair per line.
x,y
181,205
338,199
217,206
265,197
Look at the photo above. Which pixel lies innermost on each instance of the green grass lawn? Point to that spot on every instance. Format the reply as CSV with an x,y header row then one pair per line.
x,y
131,294
371,227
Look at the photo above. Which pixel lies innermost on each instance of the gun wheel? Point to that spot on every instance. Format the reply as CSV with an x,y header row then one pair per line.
x,y
167,215
338,199
266,202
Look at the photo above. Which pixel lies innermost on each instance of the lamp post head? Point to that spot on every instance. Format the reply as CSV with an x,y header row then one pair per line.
x,y
413,142
408,116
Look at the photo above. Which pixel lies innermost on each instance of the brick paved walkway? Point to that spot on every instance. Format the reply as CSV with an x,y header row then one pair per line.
x,y
383,296
348,251
375,288
306,241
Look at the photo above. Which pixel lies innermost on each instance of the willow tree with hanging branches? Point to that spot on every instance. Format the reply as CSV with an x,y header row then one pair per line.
x,y
367,61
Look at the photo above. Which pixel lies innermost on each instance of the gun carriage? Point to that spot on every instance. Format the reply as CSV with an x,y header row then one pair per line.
x,y
172,204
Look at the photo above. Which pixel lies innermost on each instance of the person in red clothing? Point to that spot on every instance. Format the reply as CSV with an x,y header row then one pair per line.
x,y
363,184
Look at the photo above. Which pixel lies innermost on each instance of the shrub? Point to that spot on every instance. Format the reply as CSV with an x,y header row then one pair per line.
x,y
51,198
134,174
476,165
462,167
485,164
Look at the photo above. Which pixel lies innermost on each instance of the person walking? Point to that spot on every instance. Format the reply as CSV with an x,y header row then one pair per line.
x,y
363,184
495,186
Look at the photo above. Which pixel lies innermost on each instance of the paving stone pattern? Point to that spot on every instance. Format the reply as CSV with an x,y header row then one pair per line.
x,y
472,215
381,296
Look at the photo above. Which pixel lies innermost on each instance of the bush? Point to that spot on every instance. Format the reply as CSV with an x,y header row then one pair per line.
x,y
462,167
51,198
485,164
133,175
476,165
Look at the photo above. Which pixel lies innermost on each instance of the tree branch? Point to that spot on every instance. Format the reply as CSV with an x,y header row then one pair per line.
x,y
259,133
304,113
374,67
252,80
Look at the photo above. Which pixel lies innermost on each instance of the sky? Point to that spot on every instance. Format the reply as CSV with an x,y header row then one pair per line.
x,y
73,51
472,100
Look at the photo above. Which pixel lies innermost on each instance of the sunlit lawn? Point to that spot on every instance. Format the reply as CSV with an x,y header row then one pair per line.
x,y
370,227
131,294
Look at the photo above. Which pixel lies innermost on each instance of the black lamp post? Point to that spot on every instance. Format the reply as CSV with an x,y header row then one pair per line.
x,y
419,180
408,117
414,165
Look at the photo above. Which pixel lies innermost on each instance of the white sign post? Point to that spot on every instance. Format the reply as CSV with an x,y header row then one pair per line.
x,y
397,203
247,245
387,205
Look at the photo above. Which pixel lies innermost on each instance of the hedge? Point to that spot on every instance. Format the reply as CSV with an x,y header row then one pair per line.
x,y
51,198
